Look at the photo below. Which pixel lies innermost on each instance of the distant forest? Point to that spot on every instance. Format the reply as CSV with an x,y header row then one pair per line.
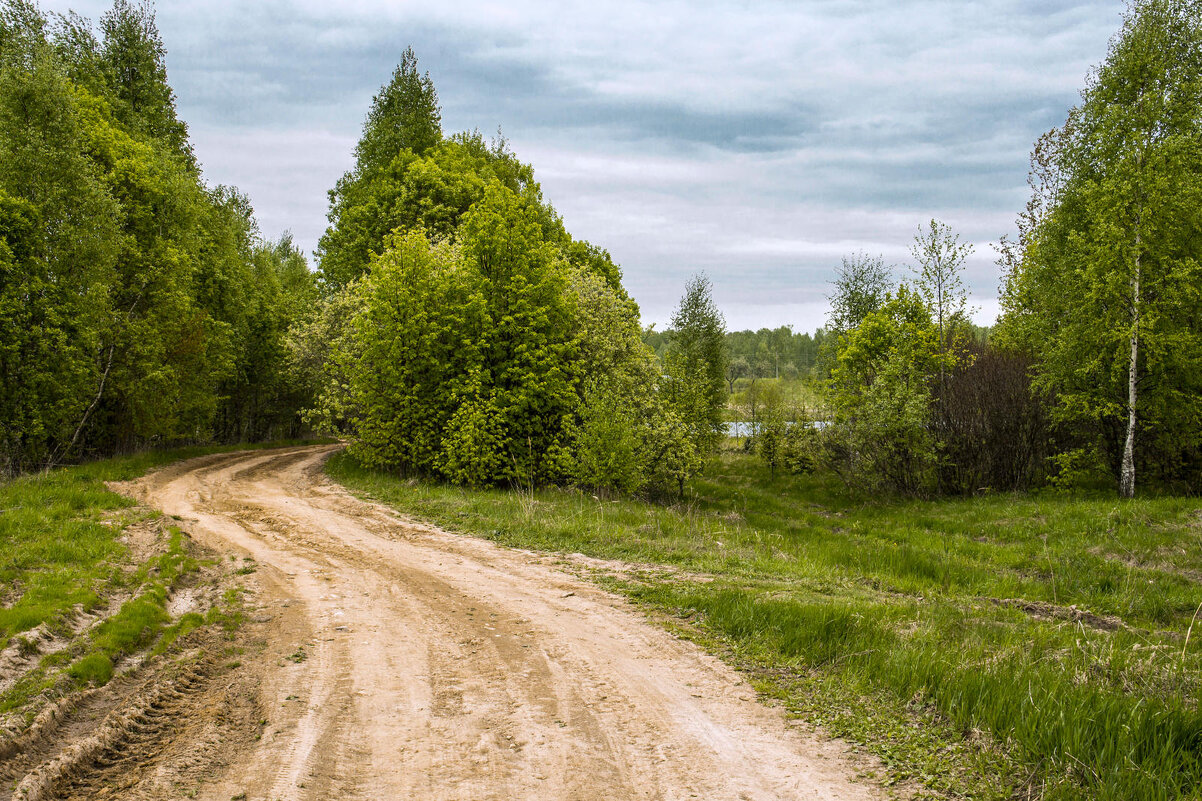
x,y
776,352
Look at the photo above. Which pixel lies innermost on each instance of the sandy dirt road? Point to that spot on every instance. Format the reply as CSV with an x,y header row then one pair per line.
x,y
403,662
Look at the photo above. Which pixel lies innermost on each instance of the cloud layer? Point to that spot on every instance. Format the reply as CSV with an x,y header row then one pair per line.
x,y
756,141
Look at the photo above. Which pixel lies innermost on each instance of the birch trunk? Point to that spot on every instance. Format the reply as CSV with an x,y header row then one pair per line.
x,y
1127,478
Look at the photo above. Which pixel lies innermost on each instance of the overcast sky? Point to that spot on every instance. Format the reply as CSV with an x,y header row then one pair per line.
x,y
757,141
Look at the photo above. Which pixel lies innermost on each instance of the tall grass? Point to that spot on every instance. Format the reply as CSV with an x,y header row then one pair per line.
x,y
1054,623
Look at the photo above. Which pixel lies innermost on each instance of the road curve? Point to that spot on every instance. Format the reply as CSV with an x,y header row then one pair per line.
x,y
406,662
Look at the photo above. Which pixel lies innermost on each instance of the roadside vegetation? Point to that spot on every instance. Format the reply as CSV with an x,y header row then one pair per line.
x,y
464,334
1043,645
918,545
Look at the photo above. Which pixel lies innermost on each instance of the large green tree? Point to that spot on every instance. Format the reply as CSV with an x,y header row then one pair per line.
x,y
378,194
495,359
1105,283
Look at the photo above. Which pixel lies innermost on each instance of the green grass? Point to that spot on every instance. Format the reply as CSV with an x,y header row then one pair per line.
x,y
58,537
986,645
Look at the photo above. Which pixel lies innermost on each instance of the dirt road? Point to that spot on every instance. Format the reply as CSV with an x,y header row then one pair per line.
x,y
403,662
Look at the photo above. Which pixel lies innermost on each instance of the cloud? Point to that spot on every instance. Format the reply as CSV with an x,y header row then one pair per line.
x,y
759,142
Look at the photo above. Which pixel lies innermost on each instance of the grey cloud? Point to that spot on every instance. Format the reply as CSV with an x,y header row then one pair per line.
x,y
755,141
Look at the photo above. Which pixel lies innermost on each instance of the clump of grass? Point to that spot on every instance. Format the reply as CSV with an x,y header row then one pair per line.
x,y
1053,623
141,620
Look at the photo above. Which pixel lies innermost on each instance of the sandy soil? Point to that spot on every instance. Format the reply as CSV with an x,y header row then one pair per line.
x,y
406,662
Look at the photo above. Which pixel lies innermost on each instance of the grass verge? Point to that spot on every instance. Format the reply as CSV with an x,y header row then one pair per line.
x,y
1039,646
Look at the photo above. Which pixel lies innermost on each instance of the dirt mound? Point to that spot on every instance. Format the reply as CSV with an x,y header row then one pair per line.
x,y
1071,614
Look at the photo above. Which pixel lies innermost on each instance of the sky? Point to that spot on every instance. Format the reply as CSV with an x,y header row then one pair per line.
x,y
759,142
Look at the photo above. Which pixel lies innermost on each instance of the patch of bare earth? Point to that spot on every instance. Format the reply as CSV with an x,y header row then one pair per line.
x,y
1042,610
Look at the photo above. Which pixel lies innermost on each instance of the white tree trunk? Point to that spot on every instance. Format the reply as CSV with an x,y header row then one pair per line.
x,y
1127,477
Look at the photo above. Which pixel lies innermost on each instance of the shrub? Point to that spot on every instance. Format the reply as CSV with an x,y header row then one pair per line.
x,y
991,426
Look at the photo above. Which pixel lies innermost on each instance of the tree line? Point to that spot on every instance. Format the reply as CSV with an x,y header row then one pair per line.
x,y
138,305
454,328
767,353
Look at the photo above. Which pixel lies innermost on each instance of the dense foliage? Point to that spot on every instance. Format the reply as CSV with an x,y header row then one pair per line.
x,y
1104,285
465,334
910,396
137,305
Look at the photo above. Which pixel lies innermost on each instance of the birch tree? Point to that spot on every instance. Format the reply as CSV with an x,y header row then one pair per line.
x,y
1105,284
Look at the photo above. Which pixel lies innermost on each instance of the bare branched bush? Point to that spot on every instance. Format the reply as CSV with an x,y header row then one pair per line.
x,y
992,427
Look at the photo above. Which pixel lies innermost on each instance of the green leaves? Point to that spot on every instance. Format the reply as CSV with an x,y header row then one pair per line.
x,y
138,304
403,116
1103,284
880,436
482,343
696,363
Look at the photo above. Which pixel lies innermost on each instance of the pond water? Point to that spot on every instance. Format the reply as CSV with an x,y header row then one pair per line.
x,y
745,428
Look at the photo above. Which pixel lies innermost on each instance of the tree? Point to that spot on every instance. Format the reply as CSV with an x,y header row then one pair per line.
x,y
1104,281
696,365
261,399
472,337
134,61
772,430
61,240
880,435
404,116
941,257
393,184
735,369
861,285
321,355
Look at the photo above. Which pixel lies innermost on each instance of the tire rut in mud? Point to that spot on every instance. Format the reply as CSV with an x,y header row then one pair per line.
x,y
154,737
165,724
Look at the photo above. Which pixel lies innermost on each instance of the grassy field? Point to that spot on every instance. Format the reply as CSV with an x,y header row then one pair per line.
x,y
61,555
996,647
